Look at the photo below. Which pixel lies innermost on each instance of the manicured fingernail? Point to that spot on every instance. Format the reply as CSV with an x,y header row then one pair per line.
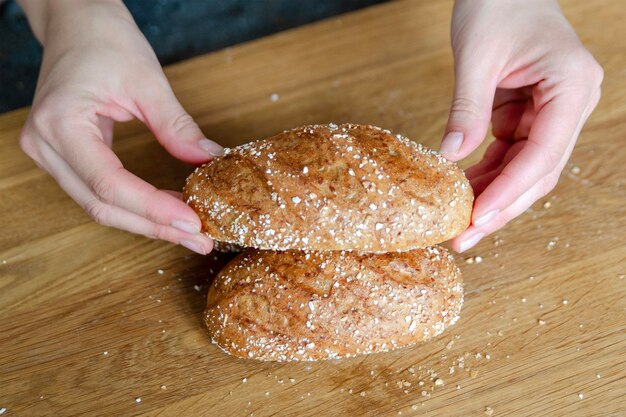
x,y
211,147
194,246
485,218
186,226
451,144
470,242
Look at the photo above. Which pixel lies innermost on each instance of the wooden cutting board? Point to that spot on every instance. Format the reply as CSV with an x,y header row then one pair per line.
x,y
95,321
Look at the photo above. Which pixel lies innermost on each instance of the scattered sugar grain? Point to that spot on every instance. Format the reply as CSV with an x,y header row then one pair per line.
x,y
137,400
274,97
489,411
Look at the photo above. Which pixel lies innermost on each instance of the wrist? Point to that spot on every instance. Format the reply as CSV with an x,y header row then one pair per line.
x,y
40,13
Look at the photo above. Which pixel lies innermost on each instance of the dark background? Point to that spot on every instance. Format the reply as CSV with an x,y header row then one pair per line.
x,y
176,29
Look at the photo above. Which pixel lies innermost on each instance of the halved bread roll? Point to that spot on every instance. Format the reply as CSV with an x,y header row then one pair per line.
x,y
299,305
329,187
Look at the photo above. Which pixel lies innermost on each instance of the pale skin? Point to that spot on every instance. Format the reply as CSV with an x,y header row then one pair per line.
x,y
518,64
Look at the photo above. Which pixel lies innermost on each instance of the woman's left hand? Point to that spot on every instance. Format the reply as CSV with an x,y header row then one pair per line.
x,y
520,65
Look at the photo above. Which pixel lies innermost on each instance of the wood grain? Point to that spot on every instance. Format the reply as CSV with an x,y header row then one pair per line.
x,y
88,324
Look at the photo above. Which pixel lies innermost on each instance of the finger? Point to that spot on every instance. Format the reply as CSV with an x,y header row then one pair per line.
x,y
117,217
526,121
105,124
112,216
173,127
176,194
555,128
480,182
102,171
491,160
470,112
506,118
474,234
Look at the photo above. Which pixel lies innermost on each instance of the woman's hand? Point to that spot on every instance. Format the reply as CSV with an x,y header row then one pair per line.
x,y
98,68
519,64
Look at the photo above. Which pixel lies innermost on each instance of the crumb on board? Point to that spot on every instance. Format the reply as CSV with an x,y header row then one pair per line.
x,y
274,97
474,259
489,411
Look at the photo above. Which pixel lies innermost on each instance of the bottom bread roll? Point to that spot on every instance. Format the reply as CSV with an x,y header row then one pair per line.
x,y
295,305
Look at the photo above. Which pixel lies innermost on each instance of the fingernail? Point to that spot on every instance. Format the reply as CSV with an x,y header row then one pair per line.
x,y
194,246
451,144
468,243
485,218
185,226
211,147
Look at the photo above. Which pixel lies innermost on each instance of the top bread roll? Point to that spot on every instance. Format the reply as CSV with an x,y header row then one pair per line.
x,y
329,187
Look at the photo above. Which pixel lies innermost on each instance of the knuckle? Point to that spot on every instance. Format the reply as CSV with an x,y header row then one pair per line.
x,y
581,67
98,212
551,158
466,108
104,188
512,183
26,143
183,122
597,73
41,115
153,207
548,183
157,232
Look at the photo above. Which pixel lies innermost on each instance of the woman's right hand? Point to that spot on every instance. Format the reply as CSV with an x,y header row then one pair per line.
x,y
97,69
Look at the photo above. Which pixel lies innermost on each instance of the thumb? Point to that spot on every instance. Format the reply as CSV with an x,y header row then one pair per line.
x,y
470,112
174,128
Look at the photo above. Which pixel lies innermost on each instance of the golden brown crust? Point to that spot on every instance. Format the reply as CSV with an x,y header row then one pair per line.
x,y
297,305
328,187
226,247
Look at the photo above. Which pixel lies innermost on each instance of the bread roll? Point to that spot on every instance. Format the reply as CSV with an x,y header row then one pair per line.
x,y
298,305
330,187
226,247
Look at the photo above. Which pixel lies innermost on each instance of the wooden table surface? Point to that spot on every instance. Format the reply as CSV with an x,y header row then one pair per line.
x,y
95,321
